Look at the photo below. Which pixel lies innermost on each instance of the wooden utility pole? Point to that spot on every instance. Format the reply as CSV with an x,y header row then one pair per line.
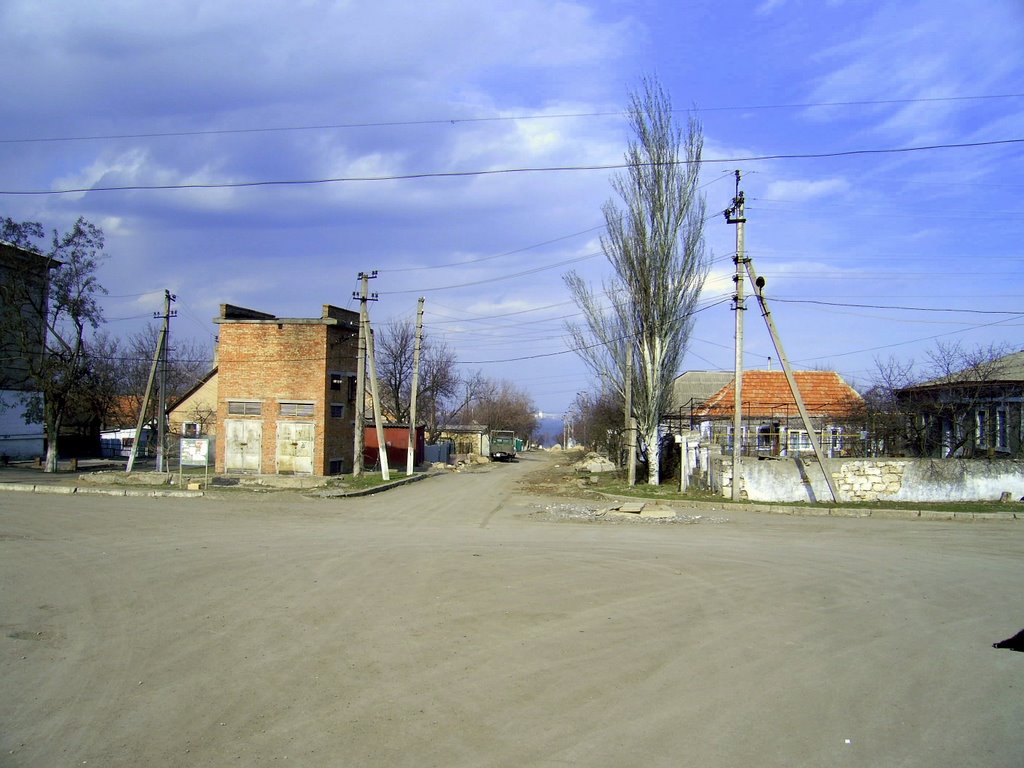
x,y
411,460
759,283
159,359
359,422
161,411
378,416
630,421
735,215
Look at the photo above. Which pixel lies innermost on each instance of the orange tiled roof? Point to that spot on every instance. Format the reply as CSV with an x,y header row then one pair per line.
x,y
766,394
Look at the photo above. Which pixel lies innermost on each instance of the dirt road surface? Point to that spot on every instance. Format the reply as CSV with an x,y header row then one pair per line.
x,y
456,622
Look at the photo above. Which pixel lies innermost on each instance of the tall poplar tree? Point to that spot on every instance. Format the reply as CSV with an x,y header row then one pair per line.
x,y
654,242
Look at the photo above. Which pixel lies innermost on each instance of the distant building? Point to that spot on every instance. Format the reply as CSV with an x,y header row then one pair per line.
x,y
286,392
466,438
194,414
24,292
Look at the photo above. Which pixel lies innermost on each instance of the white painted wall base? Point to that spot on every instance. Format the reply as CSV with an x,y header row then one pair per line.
x,y
18,440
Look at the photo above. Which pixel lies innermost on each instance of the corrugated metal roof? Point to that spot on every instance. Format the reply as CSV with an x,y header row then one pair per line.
x,y
694,387
767,394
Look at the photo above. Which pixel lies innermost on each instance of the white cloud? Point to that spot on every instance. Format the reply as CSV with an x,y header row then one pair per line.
x,y
800,190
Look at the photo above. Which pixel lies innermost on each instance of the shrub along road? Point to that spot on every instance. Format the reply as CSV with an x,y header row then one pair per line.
x,y
457,622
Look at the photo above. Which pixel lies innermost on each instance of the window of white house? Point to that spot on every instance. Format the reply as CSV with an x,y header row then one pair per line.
x,y
337,411
981,429
1002,436
297,409
836,438
245,408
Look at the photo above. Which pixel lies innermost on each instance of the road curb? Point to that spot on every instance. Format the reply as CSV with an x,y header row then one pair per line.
x,y
78,490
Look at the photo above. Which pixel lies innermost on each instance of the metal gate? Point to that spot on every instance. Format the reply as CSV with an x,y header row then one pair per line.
x,y
295,447
243,445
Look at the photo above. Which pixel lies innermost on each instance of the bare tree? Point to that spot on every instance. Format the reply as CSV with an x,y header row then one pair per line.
x,y
440,385
655,245
501,404
187,362
69,311
597,422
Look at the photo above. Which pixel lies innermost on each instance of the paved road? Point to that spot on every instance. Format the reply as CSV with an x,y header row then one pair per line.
x,y
453,622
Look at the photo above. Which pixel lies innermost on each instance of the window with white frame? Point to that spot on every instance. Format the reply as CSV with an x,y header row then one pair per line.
x,y
981,428
799,440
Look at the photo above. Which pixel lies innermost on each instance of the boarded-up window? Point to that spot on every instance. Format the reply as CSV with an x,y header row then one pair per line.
x,y
297,409
245,408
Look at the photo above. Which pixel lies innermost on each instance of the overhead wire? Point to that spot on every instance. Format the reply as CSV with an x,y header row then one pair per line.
x,y
488,119
501,171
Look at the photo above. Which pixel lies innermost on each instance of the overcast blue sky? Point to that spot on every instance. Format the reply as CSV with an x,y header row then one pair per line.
x,y
848,119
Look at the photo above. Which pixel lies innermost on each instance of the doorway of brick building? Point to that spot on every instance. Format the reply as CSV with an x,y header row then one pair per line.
x,y
243,445
295,447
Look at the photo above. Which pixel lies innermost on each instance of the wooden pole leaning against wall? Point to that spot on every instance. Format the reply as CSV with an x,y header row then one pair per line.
x,y
145,401
378,416
759,283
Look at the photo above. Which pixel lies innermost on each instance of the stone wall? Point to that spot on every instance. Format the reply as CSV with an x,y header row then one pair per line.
x,y
873,479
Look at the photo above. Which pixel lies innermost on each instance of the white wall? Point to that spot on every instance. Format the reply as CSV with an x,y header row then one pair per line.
x,y
782,480
18,440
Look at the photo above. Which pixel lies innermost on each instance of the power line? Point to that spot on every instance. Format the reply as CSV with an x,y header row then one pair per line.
x,y
500,171
907,309
469,120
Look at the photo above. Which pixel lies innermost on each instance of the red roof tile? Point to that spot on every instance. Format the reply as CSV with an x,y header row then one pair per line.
x,y
767,394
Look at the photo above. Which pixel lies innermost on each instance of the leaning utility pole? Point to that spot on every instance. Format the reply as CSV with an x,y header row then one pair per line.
x,y
358,423
411,460
735,215
759,283
378,415
159,355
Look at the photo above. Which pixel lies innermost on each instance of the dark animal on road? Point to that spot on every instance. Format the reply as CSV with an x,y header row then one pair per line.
x,y
1015,643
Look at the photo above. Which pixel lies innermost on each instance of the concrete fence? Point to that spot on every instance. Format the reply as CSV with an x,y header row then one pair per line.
x,y
914,480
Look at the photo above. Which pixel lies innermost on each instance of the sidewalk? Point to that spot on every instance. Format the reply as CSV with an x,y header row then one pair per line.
x,y
26,477
106,477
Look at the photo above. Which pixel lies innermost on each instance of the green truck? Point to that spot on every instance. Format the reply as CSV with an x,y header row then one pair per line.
x,y
503,445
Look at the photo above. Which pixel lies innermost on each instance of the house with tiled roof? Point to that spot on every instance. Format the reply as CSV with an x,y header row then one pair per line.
x,y
771,420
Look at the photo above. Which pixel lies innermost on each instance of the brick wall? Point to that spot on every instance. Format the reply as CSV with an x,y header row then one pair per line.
x,y
274,361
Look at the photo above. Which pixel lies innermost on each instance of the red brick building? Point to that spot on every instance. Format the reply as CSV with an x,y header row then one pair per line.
x,y
286,392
